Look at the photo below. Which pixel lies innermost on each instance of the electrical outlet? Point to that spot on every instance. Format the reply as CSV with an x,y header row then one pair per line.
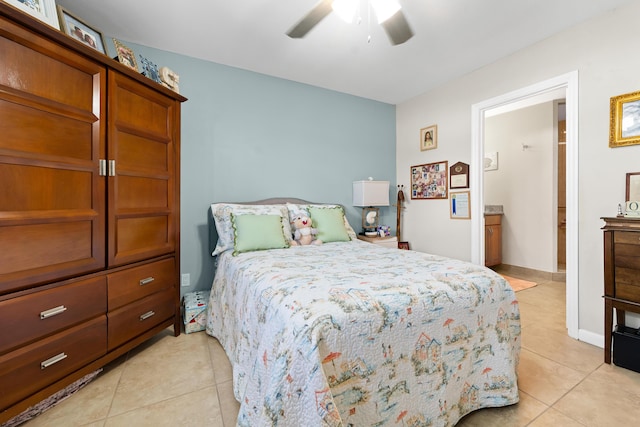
x,y
186,279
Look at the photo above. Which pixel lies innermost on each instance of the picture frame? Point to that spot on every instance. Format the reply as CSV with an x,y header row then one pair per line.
x,y
403,245
44,10
429,138
149,69
459,175
81,31
459,205
491,161
430,181
125,55
624,120
632,190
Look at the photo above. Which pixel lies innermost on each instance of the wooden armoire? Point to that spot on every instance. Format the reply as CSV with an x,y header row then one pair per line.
x,y
89,210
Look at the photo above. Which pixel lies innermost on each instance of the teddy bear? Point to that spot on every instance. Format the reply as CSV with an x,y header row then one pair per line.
x,y
304,233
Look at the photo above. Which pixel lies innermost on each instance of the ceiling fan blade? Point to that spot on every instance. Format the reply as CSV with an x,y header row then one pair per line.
x,y
397,28
316,15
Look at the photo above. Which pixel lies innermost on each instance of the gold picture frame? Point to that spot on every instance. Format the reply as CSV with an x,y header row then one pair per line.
x,y
624,125
125,55
429,138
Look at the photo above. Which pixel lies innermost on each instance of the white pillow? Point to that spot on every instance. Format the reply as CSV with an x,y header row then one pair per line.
x,y
297,209
222,217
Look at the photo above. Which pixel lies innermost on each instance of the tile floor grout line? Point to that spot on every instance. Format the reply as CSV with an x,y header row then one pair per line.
x,y
163,400
115,389
586,374
215,381
569,391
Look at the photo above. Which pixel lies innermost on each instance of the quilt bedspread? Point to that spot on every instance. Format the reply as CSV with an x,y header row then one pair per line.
x,y
355,334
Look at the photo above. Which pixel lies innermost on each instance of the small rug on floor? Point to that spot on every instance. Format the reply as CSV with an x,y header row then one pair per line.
x,y
519,284
50,401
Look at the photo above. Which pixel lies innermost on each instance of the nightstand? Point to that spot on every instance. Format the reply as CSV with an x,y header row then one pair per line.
x,y
388,242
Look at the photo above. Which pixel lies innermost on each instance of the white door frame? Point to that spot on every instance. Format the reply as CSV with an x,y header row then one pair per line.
x,y
568,81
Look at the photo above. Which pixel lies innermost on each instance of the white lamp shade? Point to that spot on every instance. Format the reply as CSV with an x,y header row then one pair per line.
x,y
371,193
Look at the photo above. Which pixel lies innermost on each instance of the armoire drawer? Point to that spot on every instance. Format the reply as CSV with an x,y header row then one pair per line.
x,y
136,283
627,237
132,320
30,317
33,367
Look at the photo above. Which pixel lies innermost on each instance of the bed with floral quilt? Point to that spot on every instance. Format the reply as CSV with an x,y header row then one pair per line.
x,y
348,333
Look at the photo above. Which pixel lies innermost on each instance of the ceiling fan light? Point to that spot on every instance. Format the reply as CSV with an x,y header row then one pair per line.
x,y
384,9
345,9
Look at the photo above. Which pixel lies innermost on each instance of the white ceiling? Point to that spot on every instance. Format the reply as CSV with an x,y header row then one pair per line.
x,y
452,37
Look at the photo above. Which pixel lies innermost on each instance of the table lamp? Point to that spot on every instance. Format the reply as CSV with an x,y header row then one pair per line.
x,y
369,194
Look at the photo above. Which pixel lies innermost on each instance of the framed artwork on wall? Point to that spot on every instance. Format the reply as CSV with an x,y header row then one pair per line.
x,y
430,181
80,31
44,10
459,206
459,175
624,120
429,138
491,161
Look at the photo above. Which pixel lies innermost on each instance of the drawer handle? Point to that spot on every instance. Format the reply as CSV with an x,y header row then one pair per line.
x,y
147,315
52,361
53,311
146,281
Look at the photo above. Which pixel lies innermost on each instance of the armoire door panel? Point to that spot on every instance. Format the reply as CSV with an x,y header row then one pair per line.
x,y
52,197
142,216
36,188
136,192
151,235
69,78
44,133
139,153
137,107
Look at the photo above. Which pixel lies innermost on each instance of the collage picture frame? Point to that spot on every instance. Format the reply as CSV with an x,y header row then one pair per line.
x,y
430,181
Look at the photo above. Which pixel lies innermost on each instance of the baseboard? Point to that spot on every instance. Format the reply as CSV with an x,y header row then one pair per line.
x,y
591,338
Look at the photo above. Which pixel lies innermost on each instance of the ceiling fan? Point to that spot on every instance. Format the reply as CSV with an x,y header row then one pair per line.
x,y
388,12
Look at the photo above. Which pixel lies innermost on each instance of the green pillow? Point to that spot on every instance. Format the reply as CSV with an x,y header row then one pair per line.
x,y
330,224
257,232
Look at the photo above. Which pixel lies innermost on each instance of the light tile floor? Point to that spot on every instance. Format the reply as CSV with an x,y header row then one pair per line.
x,y
186,381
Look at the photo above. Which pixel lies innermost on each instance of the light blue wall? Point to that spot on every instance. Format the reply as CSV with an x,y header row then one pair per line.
x,y
248,136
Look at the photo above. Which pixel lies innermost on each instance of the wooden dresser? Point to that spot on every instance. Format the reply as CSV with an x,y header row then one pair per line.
x,y
621,273
89,210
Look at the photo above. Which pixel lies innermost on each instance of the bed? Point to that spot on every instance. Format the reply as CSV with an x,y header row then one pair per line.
x,y
348,333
